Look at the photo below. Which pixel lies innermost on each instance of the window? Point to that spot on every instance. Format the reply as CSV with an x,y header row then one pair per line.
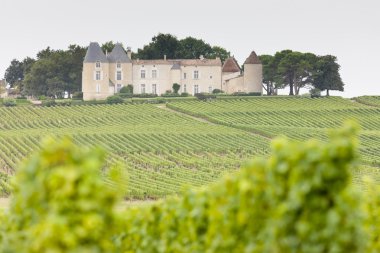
x,y
196,89
184,88
154,73
196,74
142,74
154,88
118,75
184,75
210,89
97,75
97,64
142,88
118,87
97,88
118,65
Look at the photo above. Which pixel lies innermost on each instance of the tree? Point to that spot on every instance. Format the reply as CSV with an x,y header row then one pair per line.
x,y
162,44
220,52
192,48
327,74
269,73
176,87
15,72
108,46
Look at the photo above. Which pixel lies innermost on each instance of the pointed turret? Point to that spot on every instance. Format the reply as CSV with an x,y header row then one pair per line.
x,y
252,59
231,66
94,54
118,54
253,74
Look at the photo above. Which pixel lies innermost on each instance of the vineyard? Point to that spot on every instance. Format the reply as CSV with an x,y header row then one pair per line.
x,y
161,150
188,143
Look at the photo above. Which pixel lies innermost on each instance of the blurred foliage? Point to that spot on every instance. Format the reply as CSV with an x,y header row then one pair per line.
x,y
60,203
299,200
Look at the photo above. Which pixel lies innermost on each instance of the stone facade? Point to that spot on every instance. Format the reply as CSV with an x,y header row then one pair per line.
x,y
104,75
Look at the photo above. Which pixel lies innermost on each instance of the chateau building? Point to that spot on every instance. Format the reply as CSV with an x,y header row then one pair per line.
x,y
105,74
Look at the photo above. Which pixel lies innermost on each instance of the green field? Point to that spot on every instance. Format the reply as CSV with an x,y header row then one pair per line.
x,y
188,143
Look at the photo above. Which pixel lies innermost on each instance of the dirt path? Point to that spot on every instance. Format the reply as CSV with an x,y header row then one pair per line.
x,y
164,107
252,132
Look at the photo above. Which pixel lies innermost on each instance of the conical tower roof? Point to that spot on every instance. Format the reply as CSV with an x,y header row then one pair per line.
x,y
118,55
231,65
94,53
252,59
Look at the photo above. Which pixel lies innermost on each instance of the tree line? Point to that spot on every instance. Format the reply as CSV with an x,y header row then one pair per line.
x,y
298,70
53,72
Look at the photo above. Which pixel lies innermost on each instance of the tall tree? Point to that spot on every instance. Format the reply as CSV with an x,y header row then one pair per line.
x,y
269,73
220,52
15,72
192,48
327,74
162,44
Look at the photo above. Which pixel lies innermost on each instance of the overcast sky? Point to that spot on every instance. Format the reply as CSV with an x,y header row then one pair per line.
x,y
347,29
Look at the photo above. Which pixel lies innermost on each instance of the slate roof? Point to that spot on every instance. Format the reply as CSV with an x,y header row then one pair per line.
x,y
181,62
118,55
94,53
231,65
176,65
252,59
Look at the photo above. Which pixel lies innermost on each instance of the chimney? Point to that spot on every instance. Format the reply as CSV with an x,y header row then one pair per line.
x,y
201,57
106,53
164,57
129,52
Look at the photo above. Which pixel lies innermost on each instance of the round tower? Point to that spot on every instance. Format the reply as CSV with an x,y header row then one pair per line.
x,y
253,74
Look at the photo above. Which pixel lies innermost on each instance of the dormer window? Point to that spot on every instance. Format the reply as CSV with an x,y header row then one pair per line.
x,y
118,65
97,64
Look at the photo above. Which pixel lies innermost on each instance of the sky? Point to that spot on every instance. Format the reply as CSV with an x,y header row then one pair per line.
x,y
348,29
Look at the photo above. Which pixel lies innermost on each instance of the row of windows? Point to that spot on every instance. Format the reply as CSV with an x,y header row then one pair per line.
x,y
143,75
98,75
98,65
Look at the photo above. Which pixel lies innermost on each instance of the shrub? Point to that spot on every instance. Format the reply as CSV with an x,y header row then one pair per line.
x,y
114,100
125,95
77,95
185,94
49,103
42,97
61,204
9,102
217,91
145,95
246,94
176,87
205,96
127,89
315,93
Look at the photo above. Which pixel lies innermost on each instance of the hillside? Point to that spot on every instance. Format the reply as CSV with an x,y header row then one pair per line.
x,y
185,142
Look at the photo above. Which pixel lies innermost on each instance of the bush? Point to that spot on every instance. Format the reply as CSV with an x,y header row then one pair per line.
x,y
115,100
145,95
42,97
185,94
176,87
77,95
127,89
60,203
9,102
315,93
217,91
125,95
49,103
205,96
246,94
